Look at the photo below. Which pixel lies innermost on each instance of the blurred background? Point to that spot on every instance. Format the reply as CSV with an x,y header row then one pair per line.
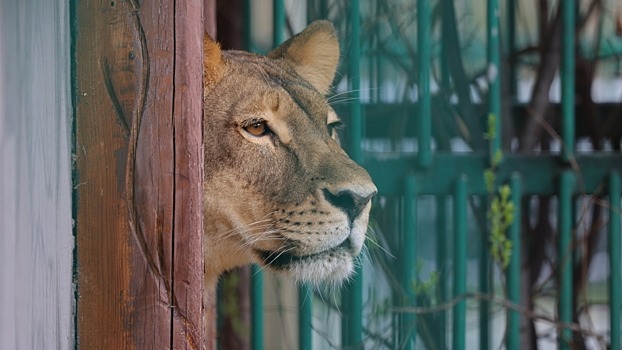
x,y
504,100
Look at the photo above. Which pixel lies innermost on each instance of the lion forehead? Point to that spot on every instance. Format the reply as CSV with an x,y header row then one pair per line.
x,y
265,76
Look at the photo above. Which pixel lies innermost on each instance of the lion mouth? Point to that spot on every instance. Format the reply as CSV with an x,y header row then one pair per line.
x,y
280,260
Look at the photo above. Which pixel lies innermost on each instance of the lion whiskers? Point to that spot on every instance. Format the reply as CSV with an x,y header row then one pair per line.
x,y
340,98
371,237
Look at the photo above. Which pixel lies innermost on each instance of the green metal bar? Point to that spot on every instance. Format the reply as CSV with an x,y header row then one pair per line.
x,y
484,287
565,256
437,180
278,25
512,341
494,111
423,88
352,296
247,28
378,57
305,300
354,79
460,263
615,261
494,72
511,40
408,261
324,9
568,77
317,10
257,308
441,262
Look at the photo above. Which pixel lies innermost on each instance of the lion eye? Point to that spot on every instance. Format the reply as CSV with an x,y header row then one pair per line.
x,y
258,128
332,130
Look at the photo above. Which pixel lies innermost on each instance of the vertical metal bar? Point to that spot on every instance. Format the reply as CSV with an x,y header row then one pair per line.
x,y
565,256
354,78
424,157
311,13
494,72
371,65
257,308
484,288
378,56
615,261
445,71
352,300
408,262
568,77
511,40
316,10
324,9
305,300
278,26
460,263
512,341
248,25
441,261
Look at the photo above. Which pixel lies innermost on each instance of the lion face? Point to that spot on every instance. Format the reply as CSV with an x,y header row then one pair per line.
x,y
279,190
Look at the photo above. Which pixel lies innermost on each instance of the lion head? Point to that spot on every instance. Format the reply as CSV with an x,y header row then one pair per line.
x,y
279,190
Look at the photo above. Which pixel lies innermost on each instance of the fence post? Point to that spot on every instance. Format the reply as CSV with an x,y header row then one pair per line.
x,y
305,301
424,157
257,308
352,300
460,262
568,78
408,262
513,273
565,256
493,73
441,265
139,161
615,260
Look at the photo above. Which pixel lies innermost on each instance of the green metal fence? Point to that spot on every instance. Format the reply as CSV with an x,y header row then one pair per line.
x,y
453,183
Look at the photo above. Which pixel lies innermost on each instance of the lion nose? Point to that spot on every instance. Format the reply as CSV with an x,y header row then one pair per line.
x,y
351,202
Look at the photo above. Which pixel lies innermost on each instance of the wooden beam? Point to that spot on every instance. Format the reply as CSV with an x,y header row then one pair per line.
x,y
139,166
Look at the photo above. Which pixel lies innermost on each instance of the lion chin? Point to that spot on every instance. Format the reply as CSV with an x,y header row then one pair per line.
x,y
279,190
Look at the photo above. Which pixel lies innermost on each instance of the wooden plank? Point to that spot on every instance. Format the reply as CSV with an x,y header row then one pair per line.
x,y
139,164
188,205
150,173
36,239
109,72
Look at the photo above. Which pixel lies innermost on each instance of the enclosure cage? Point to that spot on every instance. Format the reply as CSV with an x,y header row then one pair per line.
x,y
492,131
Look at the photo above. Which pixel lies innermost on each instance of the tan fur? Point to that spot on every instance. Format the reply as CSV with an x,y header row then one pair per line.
x,y
213,65
313,53
290,200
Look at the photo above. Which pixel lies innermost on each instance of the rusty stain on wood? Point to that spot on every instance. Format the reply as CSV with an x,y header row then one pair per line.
x,y
144,100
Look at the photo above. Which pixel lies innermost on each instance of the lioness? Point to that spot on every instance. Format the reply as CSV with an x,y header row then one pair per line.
x,y
279,190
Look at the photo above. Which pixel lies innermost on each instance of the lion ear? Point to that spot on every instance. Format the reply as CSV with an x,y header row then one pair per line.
x,y
314,54
213,63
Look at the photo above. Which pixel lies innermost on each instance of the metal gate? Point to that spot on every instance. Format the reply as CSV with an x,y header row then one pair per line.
x,y
451,174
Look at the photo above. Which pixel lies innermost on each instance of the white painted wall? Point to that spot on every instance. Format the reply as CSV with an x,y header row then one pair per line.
x,y
36,242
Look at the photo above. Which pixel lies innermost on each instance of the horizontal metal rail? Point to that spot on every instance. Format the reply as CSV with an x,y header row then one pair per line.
x,y
540,172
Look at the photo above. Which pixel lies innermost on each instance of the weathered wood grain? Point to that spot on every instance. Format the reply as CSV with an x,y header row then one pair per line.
x,y
36,240
188,201
139,161
107,78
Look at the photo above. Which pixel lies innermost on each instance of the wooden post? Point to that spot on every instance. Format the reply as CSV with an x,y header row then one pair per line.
x,y
139,170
